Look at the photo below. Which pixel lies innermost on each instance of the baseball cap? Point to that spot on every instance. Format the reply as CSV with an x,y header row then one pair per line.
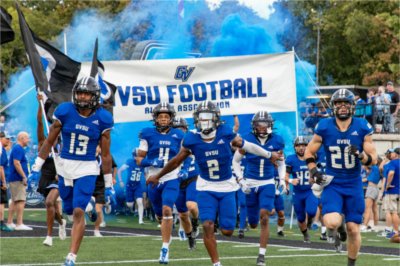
x,y
4,134
389,83
397,150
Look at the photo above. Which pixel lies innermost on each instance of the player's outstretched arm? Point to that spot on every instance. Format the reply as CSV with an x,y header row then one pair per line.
x,y
255,149
170,166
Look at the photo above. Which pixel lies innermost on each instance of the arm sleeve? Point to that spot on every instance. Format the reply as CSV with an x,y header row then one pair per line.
x,y
237,169
254,149
143,145
281,169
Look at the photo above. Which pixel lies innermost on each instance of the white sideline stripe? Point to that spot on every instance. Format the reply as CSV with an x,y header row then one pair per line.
x,y
294,249
171,260
392,258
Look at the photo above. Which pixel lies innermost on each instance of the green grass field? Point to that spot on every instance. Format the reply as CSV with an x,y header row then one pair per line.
x,y
144,250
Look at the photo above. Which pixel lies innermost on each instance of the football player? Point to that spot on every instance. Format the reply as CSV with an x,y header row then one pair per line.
x,y
83,125
133,188
157,146
186,203
304,202
259,173
216,186
348,143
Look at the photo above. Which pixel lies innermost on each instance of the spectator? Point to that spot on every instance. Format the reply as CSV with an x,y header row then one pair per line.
x,y
392,189
360,105
395,105
4,141
369,110
18,181
2,123
382,113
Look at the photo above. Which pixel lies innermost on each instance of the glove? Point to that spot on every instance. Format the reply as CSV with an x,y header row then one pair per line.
x,y
183,175
37,166
282,187
244,186
353,150
319,177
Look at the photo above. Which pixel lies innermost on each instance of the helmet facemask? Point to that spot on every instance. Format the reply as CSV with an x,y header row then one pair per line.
x,y
206,124
163,124
86,85
262,128
338,109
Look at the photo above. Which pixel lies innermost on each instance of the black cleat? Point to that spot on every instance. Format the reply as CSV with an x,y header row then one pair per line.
x,y
323,237
241,233
306,238
260,260
338,244
280,233
192,243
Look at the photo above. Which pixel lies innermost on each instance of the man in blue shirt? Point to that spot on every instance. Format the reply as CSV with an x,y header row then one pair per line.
x,y
83,125
216,187
4,141
18,180
347,141
392,190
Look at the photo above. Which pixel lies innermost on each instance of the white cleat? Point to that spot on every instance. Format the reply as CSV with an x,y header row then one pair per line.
x,y
48,241
97,233
23,227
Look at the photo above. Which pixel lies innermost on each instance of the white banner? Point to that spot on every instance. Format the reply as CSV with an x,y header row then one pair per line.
x,y
239,84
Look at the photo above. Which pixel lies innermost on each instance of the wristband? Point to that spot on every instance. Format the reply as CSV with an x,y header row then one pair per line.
x,y
313,171
108,180
369,160
310,160
38,163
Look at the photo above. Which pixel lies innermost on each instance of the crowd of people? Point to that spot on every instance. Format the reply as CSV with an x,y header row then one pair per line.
x,y
380,107
209,174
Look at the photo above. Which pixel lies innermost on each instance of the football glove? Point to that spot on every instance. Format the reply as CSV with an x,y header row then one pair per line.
x,y
353,150
37,166
183,175
244,186
158,163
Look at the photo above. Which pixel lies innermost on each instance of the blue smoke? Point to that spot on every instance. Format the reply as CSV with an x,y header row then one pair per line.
x,y
229,30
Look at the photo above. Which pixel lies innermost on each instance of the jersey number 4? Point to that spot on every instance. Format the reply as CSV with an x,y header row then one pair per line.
x,y
82,143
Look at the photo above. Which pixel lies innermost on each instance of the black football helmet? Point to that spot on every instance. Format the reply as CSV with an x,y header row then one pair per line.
x,y
180,122
88,85
163,107
207,117
343,95
262,124
300,140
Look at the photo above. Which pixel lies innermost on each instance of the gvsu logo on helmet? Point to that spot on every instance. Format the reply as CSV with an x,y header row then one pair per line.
x,y
183,73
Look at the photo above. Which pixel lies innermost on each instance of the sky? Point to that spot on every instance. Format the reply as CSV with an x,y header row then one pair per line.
x,y
263,8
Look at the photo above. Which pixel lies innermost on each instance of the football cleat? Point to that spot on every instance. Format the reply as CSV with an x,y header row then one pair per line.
x,y
323,237
260,260
48,241
164,256
306,238
182,235
241,233
192,243
280,233
338,243
91,210
69,262
195,230
5,228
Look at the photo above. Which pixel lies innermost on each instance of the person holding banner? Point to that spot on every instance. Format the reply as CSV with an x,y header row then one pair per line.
x,y
347,141
83,125
216,186
157,146
48,186
260,175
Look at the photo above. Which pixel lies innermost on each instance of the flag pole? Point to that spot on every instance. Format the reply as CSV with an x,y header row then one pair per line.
x,y
16,99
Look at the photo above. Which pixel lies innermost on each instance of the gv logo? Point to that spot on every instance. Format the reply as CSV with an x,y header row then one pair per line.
x,y
183,73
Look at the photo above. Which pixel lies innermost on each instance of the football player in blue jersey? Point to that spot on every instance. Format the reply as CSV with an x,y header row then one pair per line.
x,y
348,143
186,203
133,187
304,202
259,174
83,125
157,146
211,146
279,204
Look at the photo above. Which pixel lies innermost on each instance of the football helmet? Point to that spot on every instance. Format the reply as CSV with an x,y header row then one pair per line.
x,y
180,122
345,97
298,145
163,107
262,124
87,85
207,117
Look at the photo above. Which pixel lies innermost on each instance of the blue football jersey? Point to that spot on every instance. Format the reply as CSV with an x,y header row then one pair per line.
x,y
81,135
135,173
162,145
300,171
339,163
215,158
261,168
